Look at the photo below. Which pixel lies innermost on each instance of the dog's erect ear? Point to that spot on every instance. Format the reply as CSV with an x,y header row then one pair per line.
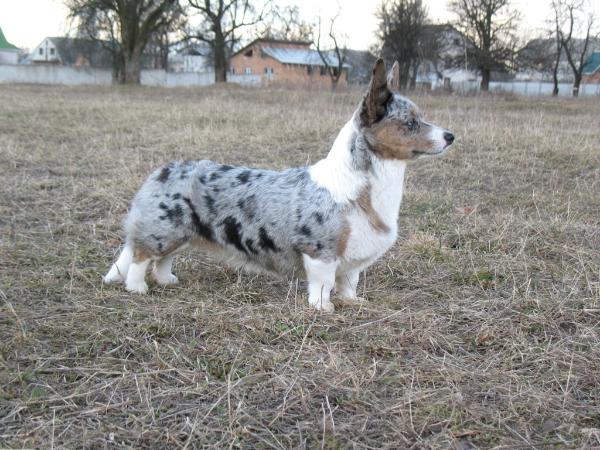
x,y
374,104
393,80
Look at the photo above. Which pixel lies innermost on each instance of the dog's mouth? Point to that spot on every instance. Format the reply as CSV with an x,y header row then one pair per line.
x,y
432,153
420,153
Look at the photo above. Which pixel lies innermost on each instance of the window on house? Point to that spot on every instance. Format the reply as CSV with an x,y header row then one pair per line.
x,y
269,70
233,70
309,70
323,71
41,51
248,53
335,72
248,71
52,51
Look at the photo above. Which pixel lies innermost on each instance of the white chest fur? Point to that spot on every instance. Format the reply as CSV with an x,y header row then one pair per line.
x,y
385,183
367,243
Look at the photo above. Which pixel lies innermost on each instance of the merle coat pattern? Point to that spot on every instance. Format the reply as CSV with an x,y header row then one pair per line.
x,y
329,221
260,217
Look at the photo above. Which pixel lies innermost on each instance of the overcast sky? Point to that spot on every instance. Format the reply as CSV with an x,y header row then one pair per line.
x,y
27,22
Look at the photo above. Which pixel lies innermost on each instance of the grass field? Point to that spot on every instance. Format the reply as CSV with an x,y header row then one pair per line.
x,y
481,330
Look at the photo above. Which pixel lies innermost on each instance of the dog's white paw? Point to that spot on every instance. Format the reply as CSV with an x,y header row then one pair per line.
x,y
113,276
351,300
325,306
165,280
139,287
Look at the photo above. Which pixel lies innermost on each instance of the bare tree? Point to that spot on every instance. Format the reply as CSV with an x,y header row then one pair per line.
x,y
402,36
221,21
490,27
335,59
128,24
571,17
100,26
286,24
162,41
558,46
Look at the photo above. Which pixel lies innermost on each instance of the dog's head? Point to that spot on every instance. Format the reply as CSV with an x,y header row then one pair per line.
x,y
392,125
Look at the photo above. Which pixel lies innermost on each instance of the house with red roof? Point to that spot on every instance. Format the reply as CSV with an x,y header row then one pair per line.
x,y
286,62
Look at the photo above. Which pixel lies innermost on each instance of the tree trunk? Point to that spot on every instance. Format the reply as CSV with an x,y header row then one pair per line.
x,y
133,66
404,76
413,76
576,84
555,74
334,83
117,69
555,81
220,58
485,80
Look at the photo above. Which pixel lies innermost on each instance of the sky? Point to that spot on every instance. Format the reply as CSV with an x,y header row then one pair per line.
x,y
27,22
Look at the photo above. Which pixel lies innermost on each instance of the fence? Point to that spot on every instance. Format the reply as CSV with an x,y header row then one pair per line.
x,y
52,74
528,88
75,76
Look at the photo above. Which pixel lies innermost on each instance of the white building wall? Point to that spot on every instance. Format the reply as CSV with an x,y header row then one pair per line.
x,y
9,56
45,52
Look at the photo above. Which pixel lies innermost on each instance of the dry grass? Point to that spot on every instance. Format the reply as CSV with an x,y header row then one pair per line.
x,y
482,328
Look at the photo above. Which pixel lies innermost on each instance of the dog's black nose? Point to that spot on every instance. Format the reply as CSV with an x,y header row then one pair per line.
x,y
449,138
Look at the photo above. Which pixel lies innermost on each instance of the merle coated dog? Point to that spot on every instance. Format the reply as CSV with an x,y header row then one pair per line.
x,y
329,221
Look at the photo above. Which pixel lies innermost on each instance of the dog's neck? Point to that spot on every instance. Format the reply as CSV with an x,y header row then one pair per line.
x,y
350,167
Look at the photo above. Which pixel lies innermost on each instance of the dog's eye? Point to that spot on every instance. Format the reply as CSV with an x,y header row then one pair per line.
x,y
412,125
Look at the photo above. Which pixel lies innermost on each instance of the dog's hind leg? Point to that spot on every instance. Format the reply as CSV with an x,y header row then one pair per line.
x,y
136,275
321,279
118,271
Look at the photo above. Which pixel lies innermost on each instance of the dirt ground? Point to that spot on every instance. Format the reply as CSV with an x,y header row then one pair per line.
x,y
482,323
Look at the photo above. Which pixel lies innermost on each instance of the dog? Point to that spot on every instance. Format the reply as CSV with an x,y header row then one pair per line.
x,y
329,221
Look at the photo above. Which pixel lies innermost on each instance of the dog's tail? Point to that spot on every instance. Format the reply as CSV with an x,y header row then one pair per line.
x,y
118,271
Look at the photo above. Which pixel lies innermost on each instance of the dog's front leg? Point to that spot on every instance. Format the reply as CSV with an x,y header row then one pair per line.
x,y
321,279
345,286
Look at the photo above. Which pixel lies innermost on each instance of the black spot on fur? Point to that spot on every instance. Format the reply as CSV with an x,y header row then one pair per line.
x,y
203,229
250,246
305,230
163,176
210,203
176,196
319,246
244,176
160,247
265,242
241,204
225,168
216,190
202,179
319,218
298,214
259,175
232,233
214,176
174,214
183,175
